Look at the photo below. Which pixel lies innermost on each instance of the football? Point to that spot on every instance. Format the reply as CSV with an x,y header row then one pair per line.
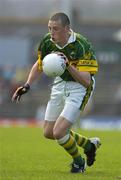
x,y
53,65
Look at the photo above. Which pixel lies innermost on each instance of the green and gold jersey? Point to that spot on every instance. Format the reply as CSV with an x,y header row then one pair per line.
x,y
79,53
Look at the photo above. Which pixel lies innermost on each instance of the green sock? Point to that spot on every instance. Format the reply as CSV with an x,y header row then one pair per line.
x,y
82,141
69,144
79,160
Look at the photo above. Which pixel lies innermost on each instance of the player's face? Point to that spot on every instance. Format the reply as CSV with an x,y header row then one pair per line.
x,y
58,32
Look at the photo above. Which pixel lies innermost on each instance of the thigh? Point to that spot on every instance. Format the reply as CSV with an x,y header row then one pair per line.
x,y
79,95
73,101
53,111
71,113
61,127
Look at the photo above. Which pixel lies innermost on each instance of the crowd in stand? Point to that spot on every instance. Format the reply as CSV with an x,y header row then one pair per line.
x,y
10,78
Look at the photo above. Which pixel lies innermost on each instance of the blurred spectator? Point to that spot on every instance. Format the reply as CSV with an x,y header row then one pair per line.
x,y
10,78
8,73
118,100
1,90
21,74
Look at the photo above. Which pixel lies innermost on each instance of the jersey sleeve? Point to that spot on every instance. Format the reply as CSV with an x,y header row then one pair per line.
x,y
88,63
39,59
86,60
41,50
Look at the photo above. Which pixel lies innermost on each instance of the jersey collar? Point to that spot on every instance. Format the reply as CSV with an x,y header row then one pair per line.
x,y
71,39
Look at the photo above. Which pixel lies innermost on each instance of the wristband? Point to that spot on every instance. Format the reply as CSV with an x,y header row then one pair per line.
x,y
27,86
67,64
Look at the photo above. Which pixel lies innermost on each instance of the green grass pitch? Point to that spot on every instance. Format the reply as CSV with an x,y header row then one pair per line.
x,y
26,155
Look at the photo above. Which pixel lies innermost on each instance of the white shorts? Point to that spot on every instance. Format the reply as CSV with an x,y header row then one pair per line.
x,y
67,99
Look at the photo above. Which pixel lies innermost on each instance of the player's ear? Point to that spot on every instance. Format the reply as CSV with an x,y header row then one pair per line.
x,y
67,28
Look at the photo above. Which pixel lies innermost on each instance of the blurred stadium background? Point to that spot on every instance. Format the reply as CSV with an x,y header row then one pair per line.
x,y
22,25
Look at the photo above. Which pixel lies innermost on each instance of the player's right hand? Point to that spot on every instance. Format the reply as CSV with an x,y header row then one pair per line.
x,y
19,92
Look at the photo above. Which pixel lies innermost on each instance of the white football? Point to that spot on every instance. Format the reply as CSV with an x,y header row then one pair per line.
x,y
53,65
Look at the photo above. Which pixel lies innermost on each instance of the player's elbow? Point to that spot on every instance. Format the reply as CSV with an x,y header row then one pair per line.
x,y
87,83
85,79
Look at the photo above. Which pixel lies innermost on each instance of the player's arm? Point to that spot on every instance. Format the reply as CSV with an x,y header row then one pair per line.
x,y
83,77
33,75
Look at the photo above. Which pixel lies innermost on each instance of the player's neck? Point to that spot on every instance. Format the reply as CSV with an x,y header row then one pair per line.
x,y
64,41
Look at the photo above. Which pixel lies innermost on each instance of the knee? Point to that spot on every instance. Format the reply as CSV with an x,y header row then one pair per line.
x,y
57,133
48,135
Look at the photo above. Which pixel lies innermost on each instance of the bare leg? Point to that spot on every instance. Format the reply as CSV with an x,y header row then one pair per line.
x,y
61,127
48,129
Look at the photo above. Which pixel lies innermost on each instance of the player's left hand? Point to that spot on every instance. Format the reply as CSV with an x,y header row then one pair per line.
x,y
65,58
19,92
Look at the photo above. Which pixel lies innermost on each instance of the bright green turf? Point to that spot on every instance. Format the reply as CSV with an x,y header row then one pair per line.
x,y
26,155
